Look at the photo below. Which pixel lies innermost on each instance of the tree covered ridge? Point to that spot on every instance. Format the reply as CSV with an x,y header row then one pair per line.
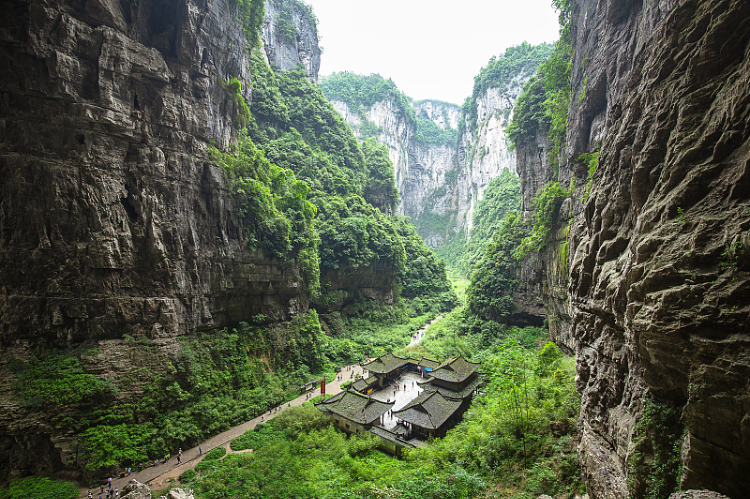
x,y
517,63
307,195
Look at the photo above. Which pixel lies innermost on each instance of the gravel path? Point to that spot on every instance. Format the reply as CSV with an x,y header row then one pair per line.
x,y
158,476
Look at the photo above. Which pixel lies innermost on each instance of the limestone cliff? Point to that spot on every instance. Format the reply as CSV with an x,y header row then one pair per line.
x,y
659,282
106,192
484,151
445,155
113,223
290,36
542,293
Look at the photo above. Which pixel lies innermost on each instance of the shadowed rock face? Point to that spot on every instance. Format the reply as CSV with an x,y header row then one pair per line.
x,y
112,220
659,281
290,37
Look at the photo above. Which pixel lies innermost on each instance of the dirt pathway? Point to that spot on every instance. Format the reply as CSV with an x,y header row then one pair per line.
x,y
419,335
158,476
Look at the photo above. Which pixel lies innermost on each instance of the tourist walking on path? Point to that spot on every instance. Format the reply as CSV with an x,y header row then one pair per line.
x,y
157,476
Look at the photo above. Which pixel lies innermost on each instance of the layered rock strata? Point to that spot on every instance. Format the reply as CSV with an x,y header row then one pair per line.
x,y
290,37
660,282
113,224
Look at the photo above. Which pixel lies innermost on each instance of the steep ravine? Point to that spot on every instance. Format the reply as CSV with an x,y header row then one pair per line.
x,y
440,183
659,283
114,224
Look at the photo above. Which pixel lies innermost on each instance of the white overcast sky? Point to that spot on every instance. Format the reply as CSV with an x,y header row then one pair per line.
x,y
431,49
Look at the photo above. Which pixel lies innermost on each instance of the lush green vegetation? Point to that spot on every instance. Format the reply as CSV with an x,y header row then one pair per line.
x,y
502,196
251,13
544,219
39,488
502,73
362,92
493,281
429,133
504,444
544,101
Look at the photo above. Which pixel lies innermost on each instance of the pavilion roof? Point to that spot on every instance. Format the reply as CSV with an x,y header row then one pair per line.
x,y
429,363
461,394
429,410
455,370
390,436
385,364
363,383
355,407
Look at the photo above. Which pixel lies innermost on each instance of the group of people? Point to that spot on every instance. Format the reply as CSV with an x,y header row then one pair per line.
x,y
111,494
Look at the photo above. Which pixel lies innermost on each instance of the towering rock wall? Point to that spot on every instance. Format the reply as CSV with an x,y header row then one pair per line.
x,y
484,151
393,129
290,36
113,224
107,196
542,293
659,281
440,183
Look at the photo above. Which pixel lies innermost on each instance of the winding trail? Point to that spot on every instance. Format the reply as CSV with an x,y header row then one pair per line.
x,y
157,477
419,335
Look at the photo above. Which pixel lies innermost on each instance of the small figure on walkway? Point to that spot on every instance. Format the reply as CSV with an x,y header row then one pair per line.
x,y
109,483
90,495
200,451
179,459
117,493
129,470
101,489
140,467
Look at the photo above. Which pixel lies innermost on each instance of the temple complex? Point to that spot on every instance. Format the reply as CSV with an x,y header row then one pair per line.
x,y
405,402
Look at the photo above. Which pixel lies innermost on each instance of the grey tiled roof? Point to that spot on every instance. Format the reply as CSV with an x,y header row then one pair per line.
x,y
432,364
455,370
462,394
363,383
429,410
390,436
385,364
355,407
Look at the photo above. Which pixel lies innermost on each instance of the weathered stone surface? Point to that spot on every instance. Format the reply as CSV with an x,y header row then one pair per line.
x,y
112,221
179,494
660,289
290,37
697,494
135,490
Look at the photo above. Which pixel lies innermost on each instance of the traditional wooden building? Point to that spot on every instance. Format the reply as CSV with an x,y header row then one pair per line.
x,y
354,412
386,368
393,442
455,378
447,394
365,385
431,414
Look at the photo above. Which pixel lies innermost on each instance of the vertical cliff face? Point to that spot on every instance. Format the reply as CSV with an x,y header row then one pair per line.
x,y
106,194
290,36
441,179
659,281
112,222
542,293
484,151
387,122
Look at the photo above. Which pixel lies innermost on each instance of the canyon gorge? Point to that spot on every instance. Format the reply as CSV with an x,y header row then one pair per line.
x,y
132,238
